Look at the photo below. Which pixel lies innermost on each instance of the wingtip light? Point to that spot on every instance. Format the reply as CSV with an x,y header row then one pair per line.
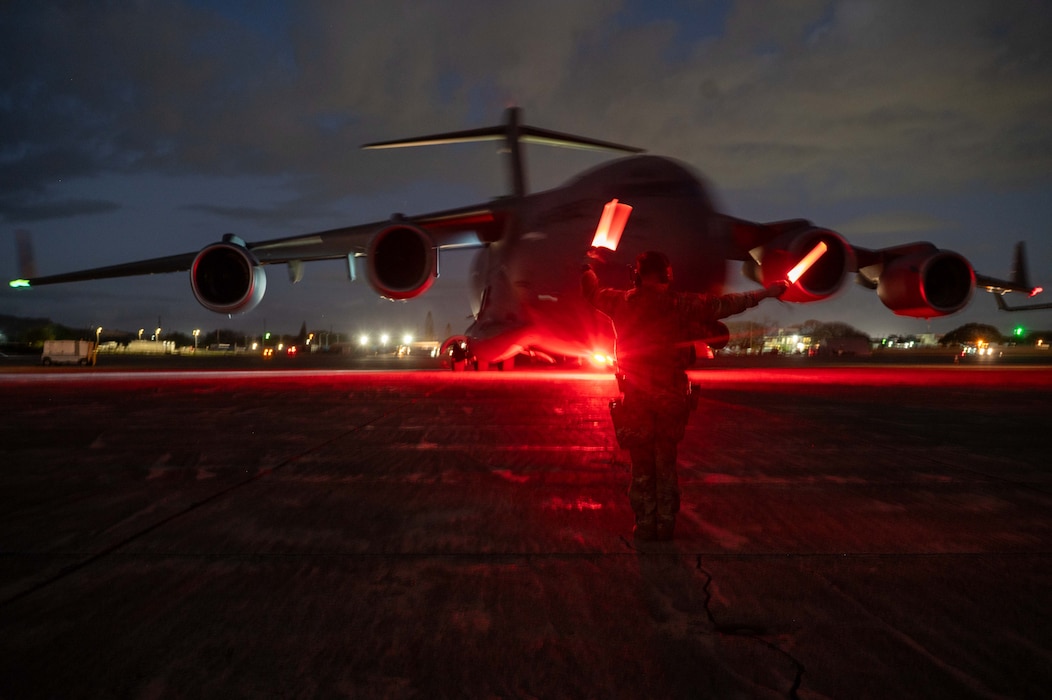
x,y
19,284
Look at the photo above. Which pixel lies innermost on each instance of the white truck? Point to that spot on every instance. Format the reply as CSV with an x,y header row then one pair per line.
x,y
68,352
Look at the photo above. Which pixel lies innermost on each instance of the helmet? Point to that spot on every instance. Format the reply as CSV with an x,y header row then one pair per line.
x,y
652,262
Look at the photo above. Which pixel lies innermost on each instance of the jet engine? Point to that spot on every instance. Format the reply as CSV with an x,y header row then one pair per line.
x,y
402,262
926,284
772,262
227,278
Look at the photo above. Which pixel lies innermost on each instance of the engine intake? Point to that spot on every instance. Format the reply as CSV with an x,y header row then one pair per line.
x,y
402,262
772,263
926,285
227,278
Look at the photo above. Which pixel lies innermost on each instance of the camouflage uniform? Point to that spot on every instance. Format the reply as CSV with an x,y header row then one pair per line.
x,y
653,352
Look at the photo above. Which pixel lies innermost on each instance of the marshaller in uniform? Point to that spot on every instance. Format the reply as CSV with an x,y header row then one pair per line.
x,y
652,323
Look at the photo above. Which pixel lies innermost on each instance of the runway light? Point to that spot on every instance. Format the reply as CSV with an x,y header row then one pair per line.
x,y
806,262
611,225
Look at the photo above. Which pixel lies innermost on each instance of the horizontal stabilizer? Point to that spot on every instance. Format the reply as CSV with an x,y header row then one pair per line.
x,y
512,132
511,129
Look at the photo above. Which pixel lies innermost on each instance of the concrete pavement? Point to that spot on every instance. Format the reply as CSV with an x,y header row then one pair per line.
x,y
862,532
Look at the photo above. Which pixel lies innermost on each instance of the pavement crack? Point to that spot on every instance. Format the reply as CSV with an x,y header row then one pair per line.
x,y
748,632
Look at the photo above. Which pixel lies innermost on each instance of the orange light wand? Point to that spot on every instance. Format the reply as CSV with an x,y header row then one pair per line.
x,y
806,262
611,225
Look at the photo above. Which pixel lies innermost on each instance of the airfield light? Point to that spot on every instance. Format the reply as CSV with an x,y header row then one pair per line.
x,y
363,340
611,225
383,339
806,262
407,339
1019,331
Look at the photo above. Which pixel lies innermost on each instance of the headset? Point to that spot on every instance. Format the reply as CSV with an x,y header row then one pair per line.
x,y
652,262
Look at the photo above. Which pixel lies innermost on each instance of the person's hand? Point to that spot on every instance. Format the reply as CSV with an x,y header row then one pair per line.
x,y
597,254
777,289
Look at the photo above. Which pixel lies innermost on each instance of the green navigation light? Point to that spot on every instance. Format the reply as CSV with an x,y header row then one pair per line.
x,y
19,283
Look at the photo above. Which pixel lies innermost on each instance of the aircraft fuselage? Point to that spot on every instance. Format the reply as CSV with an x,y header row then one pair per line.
x,y
527,284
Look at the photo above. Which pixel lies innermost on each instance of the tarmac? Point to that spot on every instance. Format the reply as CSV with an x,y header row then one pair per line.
x,y
862,532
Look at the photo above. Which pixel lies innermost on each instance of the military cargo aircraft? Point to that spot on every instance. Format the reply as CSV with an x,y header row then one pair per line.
x,y
525,275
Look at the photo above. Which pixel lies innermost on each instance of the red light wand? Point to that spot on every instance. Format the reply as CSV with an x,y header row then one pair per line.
x,y
806,262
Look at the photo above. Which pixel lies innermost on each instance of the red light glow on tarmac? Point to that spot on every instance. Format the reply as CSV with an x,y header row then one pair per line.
x,y
1018,378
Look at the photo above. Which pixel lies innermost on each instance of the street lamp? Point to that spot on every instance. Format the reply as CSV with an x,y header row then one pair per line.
x,y
140,333
98,333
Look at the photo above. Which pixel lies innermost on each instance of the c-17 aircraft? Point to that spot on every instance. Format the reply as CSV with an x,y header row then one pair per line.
x,y
525,276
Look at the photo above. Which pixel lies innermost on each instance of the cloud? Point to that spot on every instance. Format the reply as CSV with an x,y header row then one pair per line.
x,y
840,98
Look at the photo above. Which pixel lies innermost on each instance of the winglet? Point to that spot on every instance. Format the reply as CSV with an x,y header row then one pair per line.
x,y
1019,267
512,132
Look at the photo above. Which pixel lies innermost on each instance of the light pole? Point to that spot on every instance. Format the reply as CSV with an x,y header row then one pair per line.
x,y
140,333
197,332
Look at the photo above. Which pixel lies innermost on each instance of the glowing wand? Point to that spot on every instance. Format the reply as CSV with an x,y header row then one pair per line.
x,y
806,262
611,225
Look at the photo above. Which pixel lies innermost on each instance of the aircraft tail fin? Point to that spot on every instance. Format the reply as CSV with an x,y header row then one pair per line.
x,y
27,264
1020,274
513,133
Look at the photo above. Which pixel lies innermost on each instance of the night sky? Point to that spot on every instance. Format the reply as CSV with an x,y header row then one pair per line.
x,y
131,130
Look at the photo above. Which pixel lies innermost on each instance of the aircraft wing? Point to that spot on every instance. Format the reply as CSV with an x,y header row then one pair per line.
x,y
400,256
916,279
458,228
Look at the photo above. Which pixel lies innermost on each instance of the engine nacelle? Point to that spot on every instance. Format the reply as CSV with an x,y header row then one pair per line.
x,y
927,284
402,262
772,263
227,278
